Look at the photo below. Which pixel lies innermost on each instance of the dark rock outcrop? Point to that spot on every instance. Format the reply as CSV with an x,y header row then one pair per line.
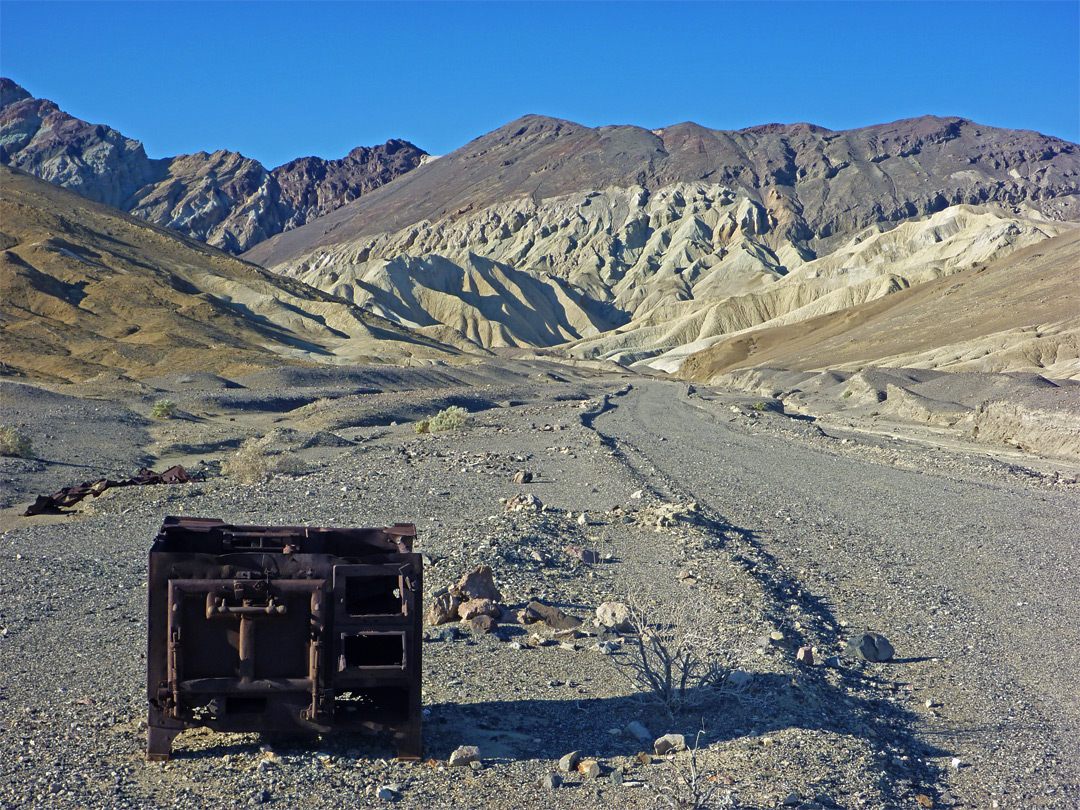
x,y
221,198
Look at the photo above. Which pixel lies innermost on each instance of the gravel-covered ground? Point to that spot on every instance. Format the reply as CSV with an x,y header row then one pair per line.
x,y
964,563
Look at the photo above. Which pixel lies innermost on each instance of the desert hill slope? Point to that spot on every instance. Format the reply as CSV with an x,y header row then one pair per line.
x,y
644,247
1019,313
223,198
88,289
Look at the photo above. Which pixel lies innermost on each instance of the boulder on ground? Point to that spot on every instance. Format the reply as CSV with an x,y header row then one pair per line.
x,y
615,616
483,625
637,730
587,556
443,609
669,743
569,762
478,607
477,584
464,755
550,615
872,647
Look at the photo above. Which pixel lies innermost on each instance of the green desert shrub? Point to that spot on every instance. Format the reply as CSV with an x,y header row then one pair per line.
x,y
13,442
252,463
846,394
452,418
164,409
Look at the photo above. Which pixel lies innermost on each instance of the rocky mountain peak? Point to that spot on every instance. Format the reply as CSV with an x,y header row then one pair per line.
x,y
10,92
220,197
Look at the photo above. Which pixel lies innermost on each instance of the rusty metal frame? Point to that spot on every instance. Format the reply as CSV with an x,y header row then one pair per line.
x,y
331,596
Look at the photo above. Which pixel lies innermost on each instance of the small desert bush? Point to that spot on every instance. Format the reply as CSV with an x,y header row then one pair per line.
x,y
846,394
164,409
673,648
13,442
760,405
452,418
253,464
314,407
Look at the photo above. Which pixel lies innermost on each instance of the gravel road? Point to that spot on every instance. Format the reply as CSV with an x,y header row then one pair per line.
x,y
976,581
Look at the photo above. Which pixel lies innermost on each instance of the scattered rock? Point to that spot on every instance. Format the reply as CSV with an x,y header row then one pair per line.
x,y
551,780
615,616
443,609
388,792
805,655
464,755
669,743
666,515
872,647
550,615
590,768
583,554
616,777
637,494
478,607
792,800
638,731
738,679
524,502
834,662
478,584
483,624
539,557
569,762
523,477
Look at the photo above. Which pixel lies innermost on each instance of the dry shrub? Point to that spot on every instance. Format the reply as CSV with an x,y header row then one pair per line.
x,y
252,463
674,646
13,442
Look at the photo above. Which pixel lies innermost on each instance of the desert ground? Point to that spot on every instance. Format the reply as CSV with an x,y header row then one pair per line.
x,y
782,527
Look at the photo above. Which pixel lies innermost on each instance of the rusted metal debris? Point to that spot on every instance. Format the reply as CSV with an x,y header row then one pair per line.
x,y
283,629
69,496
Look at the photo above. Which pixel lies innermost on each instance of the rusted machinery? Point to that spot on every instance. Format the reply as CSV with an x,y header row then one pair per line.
x,y
283,629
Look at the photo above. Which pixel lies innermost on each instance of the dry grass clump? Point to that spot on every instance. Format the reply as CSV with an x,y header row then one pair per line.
x,y
252,463
13,442
452,418
164,409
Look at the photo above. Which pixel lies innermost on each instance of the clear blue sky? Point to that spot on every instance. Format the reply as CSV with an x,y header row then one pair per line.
x,y
281,80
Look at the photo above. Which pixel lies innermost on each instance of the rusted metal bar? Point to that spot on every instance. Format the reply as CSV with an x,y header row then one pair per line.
x,y
283,628
69,496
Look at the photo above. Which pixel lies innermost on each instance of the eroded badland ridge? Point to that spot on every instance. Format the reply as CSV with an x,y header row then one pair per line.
x,y
845,311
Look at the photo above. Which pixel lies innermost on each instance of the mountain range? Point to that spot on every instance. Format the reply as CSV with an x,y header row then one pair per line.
x,y
222,198
682,250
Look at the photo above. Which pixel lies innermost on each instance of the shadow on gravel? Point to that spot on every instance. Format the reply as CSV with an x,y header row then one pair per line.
x,y
545,730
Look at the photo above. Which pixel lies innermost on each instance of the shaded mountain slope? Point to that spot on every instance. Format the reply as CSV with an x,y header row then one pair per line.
x,y
223,198
87,289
